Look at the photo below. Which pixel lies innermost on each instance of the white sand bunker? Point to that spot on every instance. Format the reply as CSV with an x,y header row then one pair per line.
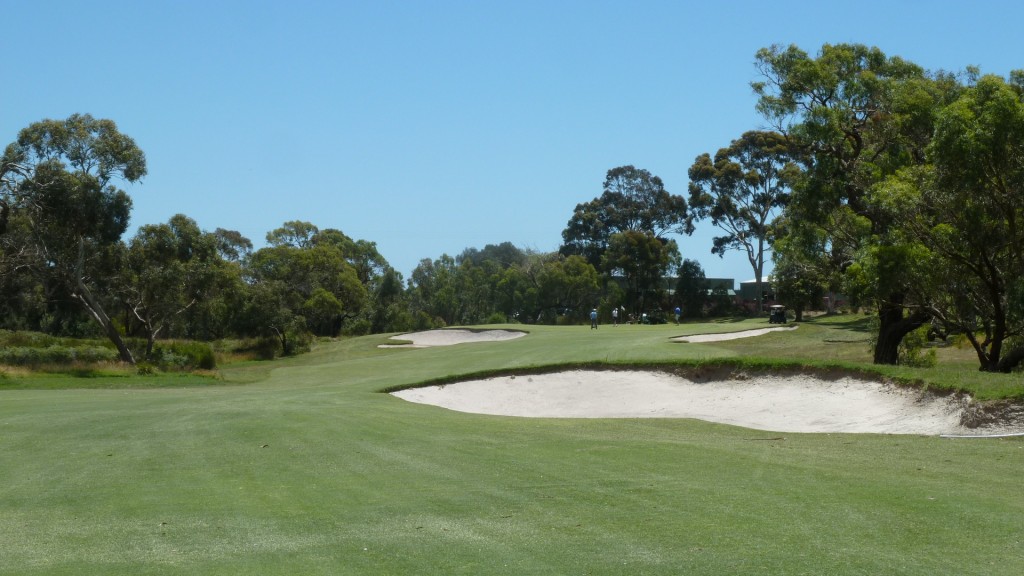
x,y
453,336
775,403
695,338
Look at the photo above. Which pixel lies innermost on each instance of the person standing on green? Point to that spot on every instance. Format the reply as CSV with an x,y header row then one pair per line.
x,y
593,319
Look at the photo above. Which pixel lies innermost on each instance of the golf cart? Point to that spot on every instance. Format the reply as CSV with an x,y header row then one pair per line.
x,y
777,314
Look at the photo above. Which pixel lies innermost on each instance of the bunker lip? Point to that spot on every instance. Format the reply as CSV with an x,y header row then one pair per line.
x,y
451,336
796,403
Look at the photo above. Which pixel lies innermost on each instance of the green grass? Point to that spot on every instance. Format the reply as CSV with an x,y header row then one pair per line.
x,y
302,466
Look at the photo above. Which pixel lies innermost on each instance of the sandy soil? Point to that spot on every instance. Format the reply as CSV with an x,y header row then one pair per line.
x,y
768,402
695,338
453,336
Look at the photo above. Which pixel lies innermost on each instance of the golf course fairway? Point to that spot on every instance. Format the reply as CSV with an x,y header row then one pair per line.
x,y
305,466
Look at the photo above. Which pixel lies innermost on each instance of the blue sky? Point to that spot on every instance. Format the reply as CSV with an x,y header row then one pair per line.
x,y
432,126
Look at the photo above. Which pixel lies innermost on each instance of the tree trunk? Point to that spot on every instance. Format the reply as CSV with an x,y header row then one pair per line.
x,y
1011,359
893,326
91,305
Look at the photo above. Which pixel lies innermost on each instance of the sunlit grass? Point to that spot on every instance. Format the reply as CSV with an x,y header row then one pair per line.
x,y
302,466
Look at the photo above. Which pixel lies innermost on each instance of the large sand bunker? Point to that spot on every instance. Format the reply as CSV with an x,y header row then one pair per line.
x,y
448,337
780,403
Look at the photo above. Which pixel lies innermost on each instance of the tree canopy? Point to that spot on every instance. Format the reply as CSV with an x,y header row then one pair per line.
x,y
742,190
901,188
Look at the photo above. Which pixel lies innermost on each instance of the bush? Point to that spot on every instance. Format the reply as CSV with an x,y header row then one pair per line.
x,y
496,318
262,348
186,355
912,349
56,354
360,327
297,343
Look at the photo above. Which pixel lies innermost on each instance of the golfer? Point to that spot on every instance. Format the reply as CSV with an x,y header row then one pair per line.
x,y
593,319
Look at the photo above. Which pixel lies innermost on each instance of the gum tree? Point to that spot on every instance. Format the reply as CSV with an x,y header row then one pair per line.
x,y
633,200
858,116
966,212
65,186
742,190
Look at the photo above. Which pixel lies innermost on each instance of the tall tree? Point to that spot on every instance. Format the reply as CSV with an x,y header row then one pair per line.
x,y
315,283
691,288
566,284
65,186
859,116
170,268
633,200
741,191
642,259
966,211
232,245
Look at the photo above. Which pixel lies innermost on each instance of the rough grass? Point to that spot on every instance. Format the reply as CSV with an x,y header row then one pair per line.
x,y
308,469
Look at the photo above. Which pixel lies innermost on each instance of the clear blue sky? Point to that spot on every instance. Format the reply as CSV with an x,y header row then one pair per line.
x,y
433,126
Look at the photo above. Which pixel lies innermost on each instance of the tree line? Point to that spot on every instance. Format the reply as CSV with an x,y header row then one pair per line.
x,y
898,187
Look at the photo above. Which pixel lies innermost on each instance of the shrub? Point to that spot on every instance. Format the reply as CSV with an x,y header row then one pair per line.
x,y
55,354
360,327
297,343
912,349
496,318
186,355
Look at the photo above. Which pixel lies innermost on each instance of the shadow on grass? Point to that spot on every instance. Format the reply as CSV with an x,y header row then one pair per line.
x,y
860,325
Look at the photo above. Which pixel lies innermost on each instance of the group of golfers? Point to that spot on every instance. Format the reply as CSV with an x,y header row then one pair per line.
x,y
615,317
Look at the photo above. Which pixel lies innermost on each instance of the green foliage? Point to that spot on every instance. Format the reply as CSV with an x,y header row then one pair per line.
x,y
263,348
633,200
691,289
28,339
360,327
742,191
55,355
183,355
914,351
65,190
35,349
296,342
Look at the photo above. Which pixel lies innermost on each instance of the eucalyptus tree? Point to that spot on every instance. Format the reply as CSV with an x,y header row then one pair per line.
x,y
742,190
966,212
314,283
169,269
633,200
691,288
643,260
232,245
565,284
61,176
294,233
859,116
330,280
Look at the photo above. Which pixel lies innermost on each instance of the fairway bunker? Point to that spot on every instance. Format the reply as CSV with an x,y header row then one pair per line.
x,y
771,402
449,337
723,336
